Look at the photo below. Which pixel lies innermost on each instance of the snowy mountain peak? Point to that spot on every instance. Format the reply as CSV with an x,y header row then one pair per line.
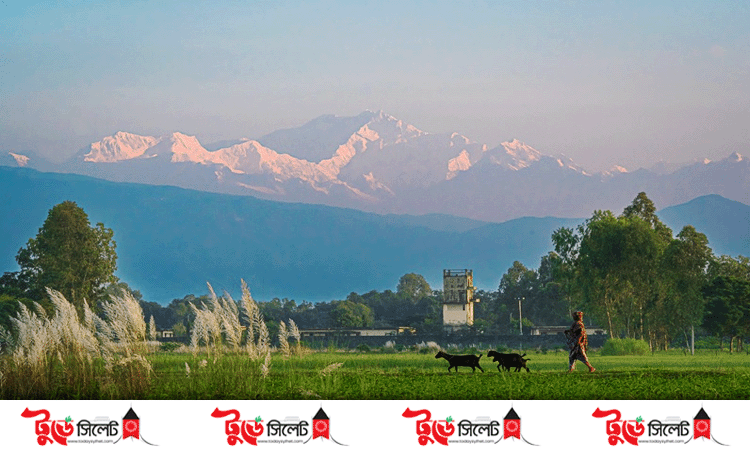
x,y
521,151
393,129
616,169
513,155
378,162
186,148
119,147
21,160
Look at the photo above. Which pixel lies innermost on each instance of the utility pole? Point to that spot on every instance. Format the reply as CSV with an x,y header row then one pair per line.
x,y
520,319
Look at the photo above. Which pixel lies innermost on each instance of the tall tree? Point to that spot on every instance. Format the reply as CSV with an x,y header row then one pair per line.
x,y
564,263
413,286
728,307
729,267
684,265
346,314
551,307
70,256
599,275
613,264
517,286
643,208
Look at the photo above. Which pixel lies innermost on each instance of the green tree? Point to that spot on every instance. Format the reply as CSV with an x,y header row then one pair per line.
x,y
346,314
642,207
563,264
729,267
517,284
70,256
413,286
550,305
598,275
728,307
613,265
684,266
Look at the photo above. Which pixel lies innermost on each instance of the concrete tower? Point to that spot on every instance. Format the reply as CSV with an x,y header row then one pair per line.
x,y
458,298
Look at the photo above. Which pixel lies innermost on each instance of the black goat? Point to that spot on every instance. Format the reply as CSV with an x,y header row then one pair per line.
x,y
460,360
508,360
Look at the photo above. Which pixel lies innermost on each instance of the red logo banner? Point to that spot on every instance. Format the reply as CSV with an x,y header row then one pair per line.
x,y
321,429
702,428
512,428
130,428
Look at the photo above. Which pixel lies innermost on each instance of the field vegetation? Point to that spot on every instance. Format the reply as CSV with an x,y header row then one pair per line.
x,y
59,356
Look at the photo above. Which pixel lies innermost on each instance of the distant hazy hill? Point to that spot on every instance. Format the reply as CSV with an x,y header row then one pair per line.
x,y
170,241
726,223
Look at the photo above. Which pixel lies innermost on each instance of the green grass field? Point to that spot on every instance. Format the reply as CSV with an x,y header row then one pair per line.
x,y
59,357
663,375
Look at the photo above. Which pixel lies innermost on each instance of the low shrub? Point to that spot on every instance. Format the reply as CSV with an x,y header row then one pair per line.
x,y
363,348
707,342
169,346
427,347
627,346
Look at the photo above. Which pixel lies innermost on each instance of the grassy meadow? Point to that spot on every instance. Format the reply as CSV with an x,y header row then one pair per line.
x,y
336,374
412,375
231,356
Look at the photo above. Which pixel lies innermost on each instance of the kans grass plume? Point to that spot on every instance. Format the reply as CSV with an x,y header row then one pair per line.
x,y
283,340
62,355
226,327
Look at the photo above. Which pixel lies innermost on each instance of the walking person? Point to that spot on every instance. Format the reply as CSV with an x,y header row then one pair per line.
x,y
578,342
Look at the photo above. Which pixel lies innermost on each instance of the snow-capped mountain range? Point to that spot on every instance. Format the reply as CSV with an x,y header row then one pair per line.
x,y
376,162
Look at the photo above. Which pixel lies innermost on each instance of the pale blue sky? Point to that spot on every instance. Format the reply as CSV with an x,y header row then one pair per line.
x,y
603,82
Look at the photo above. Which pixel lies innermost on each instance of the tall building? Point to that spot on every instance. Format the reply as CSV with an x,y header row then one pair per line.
x,y
458,297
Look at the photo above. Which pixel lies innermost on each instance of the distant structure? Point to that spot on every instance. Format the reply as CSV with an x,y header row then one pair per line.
x,y
341,332
458,298
553,330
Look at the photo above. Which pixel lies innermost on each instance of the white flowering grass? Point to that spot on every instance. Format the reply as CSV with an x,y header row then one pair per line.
x,y
152,329
294,333
61,355
430,346
283,340
236,342
331,368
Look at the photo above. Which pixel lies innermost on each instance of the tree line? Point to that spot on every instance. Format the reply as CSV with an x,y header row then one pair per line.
x,y
638,280
628,272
